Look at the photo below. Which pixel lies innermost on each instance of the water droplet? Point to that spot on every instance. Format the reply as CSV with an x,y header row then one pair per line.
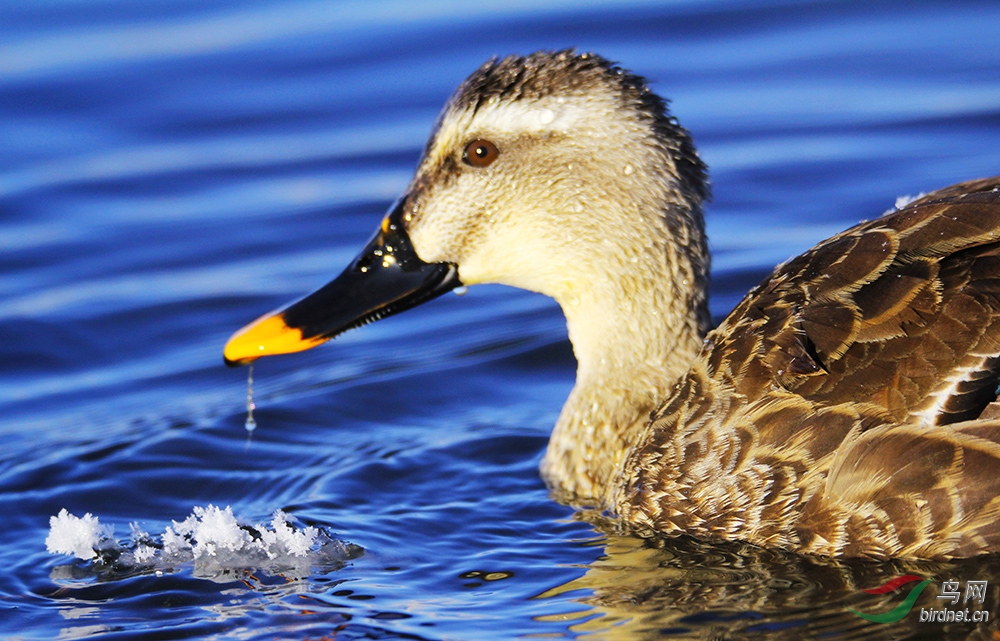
x,y
251,424
628,170
461,291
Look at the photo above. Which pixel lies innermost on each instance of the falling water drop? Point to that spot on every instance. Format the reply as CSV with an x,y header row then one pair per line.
x,y
461,290
251,424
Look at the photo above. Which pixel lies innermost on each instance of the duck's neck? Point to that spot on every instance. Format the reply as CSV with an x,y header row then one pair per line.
x,y
634,333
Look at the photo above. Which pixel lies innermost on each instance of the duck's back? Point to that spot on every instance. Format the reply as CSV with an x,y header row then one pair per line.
x,y
846,405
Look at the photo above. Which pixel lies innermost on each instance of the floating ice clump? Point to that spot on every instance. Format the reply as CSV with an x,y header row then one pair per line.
x,y
70,534
212,537
213,531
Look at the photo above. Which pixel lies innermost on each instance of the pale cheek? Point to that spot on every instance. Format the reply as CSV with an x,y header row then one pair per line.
x,y
473,270
424,245
495,258
518,264
439,234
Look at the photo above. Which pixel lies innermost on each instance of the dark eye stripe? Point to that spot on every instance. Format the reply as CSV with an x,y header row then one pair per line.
x,y
480,153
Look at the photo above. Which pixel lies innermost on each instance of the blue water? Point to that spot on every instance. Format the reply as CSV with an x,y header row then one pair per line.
x,y
170,170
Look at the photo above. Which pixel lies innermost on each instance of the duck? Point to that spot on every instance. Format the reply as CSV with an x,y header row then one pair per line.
x,y
846,407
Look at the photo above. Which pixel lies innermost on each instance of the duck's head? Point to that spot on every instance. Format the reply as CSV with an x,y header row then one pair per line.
x,y
551,172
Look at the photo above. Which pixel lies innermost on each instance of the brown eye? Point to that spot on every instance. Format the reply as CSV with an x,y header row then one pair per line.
x,y
480,153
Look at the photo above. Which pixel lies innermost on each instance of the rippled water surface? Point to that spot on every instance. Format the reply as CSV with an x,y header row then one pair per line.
x,y
170,170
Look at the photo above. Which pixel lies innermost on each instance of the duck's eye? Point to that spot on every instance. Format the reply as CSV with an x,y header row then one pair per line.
x,y
480,153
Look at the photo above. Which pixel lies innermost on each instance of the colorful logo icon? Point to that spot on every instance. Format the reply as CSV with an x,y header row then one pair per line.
x,y
903,608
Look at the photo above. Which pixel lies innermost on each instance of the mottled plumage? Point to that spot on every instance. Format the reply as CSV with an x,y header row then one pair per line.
x,y
837,409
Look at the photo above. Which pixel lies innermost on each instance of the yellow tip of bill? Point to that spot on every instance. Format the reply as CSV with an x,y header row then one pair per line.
x,y
266,336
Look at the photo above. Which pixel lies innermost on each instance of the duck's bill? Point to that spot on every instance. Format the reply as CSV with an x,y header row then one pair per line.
x,y
387,277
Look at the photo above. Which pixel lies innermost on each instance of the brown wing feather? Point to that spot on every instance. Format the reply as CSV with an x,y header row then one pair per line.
x,y
902,312
830,411
908,491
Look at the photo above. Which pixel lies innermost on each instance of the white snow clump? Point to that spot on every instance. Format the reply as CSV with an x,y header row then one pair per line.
x,y
903,201
211,537
70,534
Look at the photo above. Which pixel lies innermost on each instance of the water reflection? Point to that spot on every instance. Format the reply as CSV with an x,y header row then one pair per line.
x,y
642,589
288,603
